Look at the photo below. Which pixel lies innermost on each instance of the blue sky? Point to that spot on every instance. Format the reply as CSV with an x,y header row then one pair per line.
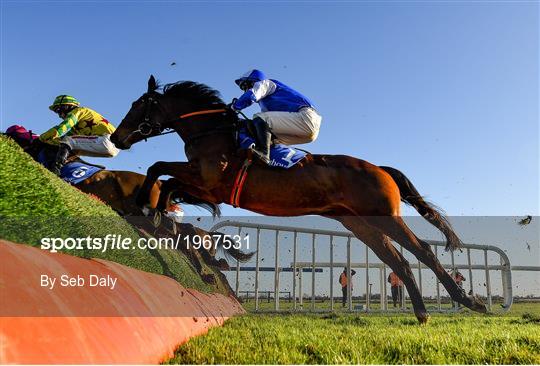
x,y
447,92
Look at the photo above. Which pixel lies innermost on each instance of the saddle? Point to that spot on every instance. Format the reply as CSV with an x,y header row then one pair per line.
x,y
281,156
74,171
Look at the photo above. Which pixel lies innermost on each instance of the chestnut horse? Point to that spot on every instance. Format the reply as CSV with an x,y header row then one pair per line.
x,y
118,189
365,198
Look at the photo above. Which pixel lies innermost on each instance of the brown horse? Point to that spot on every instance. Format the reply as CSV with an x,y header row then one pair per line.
x,y
365,198
119,189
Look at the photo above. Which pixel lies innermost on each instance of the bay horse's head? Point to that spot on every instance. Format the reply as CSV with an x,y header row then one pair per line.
x,y
187,107
142,121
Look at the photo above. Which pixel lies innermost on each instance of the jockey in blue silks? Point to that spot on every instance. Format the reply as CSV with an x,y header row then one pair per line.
x,y
285,113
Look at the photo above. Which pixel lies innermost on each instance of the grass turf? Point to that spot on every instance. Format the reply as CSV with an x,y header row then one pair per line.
x,y
34,203
464,338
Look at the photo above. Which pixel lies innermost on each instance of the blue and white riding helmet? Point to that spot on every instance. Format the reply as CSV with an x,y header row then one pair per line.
x,y
252,75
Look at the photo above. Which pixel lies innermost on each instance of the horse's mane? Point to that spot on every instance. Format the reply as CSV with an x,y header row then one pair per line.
x,y
198,93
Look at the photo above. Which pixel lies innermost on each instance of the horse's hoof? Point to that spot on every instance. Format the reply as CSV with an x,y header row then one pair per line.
x,y
475,304
423,317
478,305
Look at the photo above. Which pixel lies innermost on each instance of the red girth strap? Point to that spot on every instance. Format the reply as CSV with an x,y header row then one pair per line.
x,y
239,182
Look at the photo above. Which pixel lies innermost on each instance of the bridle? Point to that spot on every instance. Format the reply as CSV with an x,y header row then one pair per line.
x,y
147,127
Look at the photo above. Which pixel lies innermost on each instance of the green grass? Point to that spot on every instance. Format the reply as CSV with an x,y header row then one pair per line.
x,y
463,338
34,204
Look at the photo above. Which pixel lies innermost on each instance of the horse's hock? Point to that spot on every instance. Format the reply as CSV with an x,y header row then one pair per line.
x,y
142,320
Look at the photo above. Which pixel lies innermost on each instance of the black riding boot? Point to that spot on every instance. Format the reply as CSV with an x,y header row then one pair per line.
x,y
263,138
61,157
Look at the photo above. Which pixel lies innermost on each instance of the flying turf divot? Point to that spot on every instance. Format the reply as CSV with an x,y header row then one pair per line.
x,y
142,320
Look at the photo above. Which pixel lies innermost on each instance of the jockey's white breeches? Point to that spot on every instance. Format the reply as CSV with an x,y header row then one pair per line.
x,y
293,127
98,146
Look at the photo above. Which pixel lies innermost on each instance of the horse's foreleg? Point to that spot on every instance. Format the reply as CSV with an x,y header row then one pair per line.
x,y
152,175
154,172
167,188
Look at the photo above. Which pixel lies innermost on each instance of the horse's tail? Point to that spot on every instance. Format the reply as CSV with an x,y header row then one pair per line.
x,y
430,212
230,251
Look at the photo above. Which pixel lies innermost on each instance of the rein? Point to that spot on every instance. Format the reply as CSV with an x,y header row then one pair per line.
x,y
147,127
208,111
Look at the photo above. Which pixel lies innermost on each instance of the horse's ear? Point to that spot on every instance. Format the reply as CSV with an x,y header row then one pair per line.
x,y
152,86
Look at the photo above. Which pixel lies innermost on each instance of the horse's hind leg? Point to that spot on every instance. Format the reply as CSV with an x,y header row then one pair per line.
x,y
395,227
382,247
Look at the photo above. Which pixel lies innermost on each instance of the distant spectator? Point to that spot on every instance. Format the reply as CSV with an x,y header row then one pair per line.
x,y
458,277
396,286
344,282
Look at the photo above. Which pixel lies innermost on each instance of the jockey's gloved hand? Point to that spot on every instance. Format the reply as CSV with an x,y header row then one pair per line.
x,y
230,106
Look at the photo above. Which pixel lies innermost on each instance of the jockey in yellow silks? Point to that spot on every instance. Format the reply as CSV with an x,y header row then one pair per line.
x,y
82,131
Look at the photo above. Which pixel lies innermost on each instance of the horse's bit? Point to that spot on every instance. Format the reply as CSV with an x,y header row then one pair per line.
x,y
146,127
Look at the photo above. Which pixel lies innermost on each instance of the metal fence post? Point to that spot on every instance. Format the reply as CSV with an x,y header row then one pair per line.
x,y
332,272
301,296
403,289
454,304
294,270
384,289
381,284
488,283
368,290
349,277
237,287
257,255
313,272
276,274
470,270
438,283
506,274
420,278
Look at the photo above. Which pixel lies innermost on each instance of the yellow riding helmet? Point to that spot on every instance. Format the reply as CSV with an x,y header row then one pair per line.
x,y
64,100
